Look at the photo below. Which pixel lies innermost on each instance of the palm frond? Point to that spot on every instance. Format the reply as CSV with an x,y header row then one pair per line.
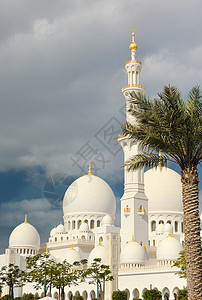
x,y
146,159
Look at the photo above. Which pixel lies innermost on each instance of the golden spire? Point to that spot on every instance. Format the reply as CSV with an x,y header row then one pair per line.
x,y
144,247
169,233
72,247
160,160
25,222
133,239
46,250
100,244
89,168
133,45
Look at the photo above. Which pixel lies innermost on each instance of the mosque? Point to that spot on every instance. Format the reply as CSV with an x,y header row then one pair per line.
x,y
140,253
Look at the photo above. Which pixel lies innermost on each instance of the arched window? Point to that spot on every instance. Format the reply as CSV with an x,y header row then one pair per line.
x,y
100,240
176,226
136,293
85,295
169,222
83,237
161,222
182,227
92,224
73,225
98,223
153,226
79,223
69,225
154,243
55,239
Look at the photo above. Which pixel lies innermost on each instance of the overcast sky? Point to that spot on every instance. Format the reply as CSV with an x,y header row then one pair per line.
x,y
61,73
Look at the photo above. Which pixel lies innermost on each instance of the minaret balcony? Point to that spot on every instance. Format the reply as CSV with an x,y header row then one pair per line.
x,y
134,61
138,86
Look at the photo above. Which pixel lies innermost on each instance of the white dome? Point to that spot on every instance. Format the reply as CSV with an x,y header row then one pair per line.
x,y
160,228
84,227
24,235
89,194
60,228
169,249
97,252
107,220
133,253
71,256
53,232
168,228
163,188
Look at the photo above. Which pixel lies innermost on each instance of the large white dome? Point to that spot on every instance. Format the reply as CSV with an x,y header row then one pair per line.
x,y
97,252
89,194
133,253
163,189
24,236
72,255
168,249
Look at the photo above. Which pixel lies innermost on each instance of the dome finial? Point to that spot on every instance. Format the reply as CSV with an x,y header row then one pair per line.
x,y
169,233
89,168
25,222
133,239
72,247
100,244
46,250
133,45
160,160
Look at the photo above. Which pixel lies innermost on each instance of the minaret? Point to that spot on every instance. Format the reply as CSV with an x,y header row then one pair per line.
x,y
134,203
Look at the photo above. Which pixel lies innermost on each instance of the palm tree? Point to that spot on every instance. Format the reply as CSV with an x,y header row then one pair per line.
x,y
174,127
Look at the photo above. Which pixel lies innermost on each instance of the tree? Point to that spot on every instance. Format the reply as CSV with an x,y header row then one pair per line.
x,y
40,271
119,295
174,127
153,294
182,294
11,275
66,274
181,263
98,273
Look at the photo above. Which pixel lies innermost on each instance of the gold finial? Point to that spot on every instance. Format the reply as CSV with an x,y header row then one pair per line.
x,y
133,239
144,247
46,250
169,233
160,160
72,247
89,168
133,45
100,244
25,222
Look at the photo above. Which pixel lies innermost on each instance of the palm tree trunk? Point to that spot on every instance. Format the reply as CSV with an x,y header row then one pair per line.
x,y
192,233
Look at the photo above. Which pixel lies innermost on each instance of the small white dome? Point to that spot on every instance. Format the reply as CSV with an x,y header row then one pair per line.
x,y
84,227
163,189
160,228
168,228
72,255
133,253
168,249
60,228
97,252
24,235
107,220
89,194
53,232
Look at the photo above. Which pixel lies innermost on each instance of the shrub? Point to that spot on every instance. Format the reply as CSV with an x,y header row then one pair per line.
x,y
6,297
137,299
152,295
77,298
182,294
119,295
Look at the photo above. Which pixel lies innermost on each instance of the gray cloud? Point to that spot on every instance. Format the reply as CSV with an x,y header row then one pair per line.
x,y
62,69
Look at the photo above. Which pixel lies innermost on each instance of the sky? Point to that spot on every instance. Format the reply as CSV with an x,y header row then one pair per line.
x,y
61,74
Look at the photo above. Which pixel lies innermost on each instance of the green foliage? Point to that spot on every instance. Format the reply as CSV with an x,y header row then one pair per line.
x,y
77,298
152,295
11,276
181,263
137,299
5,297
119,295
97,273
182,294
